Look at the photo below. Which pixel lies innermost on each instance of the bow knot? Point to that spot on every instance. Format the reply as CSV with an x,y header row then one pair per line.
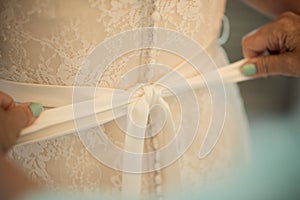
x,y
149,93
152,93
144,98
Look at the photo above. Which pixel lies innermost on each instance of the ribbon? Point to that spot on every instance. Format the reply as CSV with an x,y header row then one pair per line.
x,y
53,123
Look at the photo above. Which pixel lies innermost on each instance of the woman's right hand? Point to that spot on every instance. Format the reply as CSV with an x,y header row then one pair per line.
x,y
274,49
13,118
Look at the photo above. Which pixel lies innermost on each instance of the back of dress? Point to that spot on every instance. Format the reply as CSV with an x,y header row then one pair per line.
x,y
46,42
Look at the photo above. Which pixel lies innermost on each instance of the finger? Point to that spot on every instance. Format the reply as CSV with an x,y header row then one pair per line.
x,y
6,101
260,41
25,114
254,44
22,116
14,120
281,64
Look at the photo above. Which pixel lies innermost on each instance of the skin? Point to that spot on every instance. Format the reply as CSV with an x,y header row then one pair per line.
x,y
274,8
13,182
275,47
13,118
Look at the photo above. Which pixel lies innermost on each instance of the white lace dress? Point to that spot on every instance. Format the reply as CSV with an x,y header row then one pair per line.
x,y
45,42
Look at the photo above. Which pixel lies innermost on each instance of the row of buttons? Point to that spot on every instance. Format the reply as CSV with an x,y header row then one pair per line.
x,y
154,143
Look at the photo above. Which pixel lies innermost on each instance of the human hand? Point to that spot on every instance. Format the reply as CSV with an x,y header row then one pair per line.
x,y
274,49
13,118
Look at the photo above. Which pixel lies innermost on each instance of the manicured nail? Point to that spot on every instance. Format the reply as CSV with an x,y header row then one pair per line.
x,y
249,69
36,109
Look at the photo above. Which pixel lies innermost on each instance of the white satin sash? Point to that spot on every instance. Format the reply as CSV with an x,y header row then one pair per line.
x,y
60,119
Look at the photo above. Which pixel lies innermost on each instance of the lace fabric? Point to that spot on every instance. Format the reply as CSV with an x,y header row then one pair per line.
x,y
46,42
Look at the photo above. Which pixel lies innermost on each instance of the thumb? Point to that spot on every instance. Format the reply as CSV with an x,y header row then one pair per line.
x,y
20,117
14,120
280,64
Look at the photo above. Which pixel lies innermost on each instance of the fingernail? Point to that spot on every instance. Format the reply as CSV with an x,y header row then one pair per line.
x,y
36,109
249,69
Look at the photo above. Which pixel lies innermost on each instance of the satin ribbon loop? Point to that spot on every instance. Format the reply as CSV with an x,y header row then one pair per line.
x,y
152,94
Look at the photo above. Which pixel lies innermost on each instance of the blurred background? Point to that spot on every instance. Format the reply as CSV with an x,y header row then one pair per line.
x,y
273,108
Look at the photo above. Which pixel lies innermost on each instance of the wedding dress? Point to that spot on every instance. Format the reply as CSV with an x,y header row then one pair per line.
x,y
46,42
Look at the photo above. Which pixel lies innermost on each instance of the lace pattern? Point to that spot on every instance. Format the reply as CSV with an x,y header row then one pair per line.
x,y
47,41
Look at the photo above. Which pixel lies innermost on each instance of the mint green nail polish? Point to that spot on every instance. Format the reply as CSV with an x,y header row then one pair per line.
x,y
249,69
36,109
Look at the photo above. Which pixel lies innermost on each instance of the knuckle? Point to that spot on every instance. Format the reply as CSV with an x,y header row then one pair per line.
x,y
266,67
263,67
287,19
280,37
287,14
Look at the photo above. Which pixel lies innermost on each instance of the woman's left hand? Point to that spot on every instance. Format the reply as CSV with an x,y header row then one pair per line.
x,y
13,118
